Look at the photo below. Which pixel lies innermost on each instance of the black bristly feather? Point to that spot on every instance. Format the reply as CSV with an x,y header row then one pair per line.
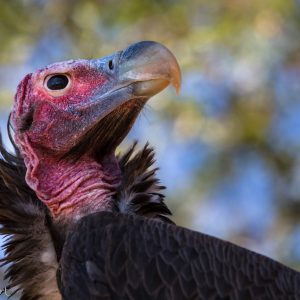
x,y
140,191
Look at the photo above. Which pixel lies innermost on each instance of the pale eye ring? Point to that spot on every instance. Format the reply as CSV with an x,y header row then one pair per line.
x,y
57,84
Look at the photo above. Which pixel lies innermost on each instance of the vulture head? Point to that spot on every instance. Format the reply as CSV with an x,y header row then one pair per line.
x,y
69,117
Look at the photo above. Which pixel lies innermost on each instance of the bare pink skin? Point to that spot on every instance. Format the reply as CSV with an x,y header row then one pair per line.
x,y
67,188
72,189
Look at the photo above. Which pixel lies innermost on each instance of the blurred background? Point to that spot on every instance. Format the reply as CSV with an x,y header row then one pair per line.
x,y
228,144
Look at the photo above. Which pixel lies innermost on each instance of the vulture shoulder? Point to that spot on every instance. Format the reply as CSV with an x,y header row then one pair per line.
x,y
116,256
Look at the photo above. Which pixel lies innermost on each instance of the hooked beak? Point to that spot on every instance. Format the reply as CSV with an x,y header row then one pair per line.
x,y
137,73
149,67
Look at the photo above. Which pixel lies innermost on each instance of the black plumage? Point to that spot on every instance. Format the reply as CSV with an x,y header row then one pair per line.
x,y
130,257
140,192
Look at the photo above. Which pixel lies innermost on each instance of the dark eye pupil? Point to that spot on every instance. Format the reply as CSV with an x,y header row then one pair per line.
x,y
57,82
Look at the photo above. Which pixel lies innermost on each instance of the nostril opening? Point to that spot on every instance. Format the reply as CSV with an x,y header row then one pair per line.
x,y
111,64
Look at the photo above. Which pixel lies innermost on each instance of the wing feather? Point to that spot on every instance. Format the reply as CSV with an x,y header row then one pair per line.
x,y
115,256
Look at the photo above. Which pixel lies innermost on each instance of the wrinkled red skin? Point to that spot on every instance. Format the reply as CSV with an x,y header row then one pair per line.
x,y
56,119
67,188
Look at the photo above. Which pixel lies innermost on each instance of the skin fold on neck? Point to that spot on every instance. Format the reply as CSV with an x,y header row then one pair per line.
x,y
72,188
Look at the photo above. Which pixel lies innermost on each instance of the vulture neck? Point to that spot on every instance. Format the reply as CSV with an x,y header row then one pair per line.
x,y
73,189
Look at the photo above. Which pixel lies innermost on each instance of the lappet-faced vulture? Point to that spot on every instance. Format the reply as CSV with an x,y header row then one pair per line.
x,y
84,223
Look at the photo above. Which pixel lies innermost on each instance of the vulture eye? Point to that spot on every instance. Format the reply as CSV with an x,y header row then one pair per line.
x,y
57,82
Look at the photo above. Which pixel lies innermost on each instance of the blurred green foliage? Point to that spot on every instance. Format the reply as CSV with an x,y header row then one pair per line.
x,y
239,102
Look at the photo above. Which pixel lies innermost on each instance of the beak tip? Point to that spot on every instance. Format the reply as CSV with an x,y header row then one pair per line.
x,y
148,60
177,87
176,80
